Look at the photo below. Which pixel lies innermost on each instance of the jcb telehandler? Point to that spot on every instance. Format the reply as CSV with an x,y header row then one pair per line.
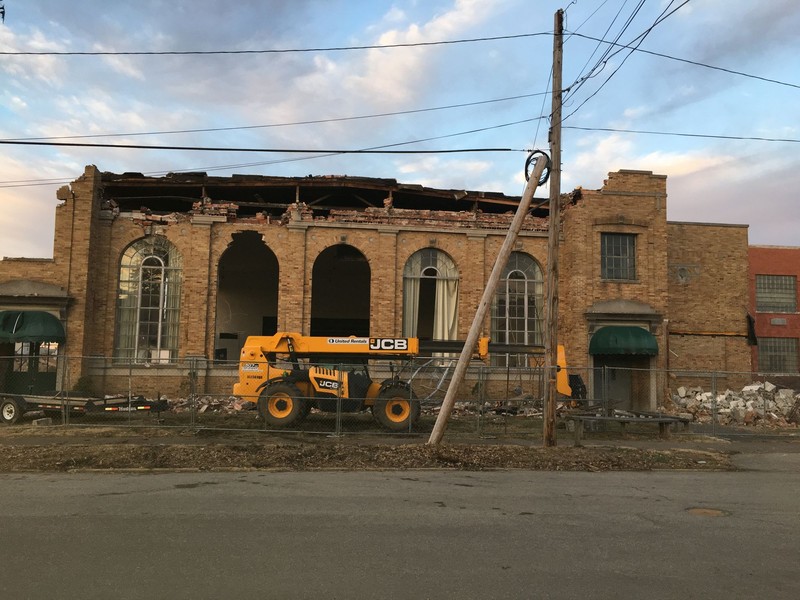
x,y
330,374
288,374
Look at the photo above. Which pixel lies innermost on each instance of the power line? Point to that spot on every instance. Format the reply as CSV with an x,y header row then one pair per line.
x,y
608,29
272,50
261,150
290,124
318,154
684,134
691,62
641,37
606,55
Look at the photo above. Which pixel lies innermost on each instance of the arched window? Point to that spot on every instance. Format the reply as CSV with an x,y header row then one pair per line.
x,y
430,296
148,302
517,310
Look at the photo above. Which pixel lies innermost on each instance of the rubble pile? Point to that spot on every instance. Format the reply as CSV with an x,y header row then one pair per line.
x,y
758,404
221,209
229,405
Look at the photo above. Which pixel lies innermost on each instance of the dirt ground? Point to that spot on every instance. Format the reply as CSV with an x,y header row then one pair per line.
x,y
29,448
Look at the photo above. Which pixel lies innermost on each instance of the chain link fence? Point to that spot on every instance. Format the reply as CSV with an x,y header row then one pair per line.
x,y
492,401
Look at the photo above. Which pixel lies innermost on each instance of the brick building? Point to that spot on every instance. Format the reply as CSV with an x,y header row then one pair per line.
x,y
774,280
159,275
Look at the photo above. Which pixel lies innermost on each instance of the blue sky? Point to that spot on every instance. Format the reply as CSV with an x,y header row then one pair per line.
x,y
709,180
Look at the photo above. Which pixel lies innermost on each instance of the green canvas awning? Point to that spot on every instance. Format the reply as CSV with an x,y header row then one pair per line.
x,y
30,326
623,339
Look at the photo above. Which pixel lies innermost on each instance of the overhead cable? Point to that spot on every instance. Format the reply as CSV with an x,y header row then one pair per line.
x,y
690,62
261,150
269,50
289,124
684,134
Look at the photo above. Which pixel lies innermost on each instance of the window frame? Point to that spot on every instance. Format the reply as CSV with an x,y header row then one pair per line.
x,y
433,266
776,293
618,256
522,272
778,355
150,270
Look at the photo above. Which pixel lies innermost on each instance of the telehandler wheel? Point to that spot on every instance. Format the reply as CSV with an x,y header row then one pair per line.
x,y
281,404
396,408
10,410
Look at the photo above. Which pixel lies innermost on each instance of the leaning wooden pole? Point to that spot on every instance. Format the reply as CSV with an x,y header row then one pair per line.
x,y
486,299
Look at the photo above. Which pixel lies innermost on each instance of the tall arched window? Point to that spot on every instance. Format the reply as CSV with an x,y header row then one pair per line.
x,y
148,302
517,310
430,296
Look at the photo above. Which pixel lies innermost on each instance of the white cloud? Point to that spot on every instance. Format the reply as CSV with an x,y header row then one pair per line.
x,y
45,69
435,171
27,214
16,103
395,76
124,66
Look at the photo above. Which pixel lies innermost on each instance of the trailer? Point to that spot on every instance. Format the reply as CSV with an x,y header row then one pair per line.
x,y
13,406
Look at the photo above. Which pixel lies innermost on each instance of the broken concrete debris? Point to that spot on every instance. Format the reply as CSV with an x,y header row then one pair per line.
x,y
757,404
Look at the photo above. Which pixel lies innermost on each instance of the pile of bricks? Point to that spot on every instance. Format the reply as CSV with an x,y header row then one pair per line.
x,y
217,209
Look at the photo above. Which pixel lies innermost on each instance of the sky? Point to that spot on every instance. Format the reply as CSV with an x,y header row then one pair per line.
x,y
724,68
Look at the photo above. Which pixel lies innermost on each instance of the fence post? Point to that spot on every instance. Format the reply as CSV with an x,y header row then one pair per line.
x,y
714,413
338,427
481,397
130,383
193,392
64,392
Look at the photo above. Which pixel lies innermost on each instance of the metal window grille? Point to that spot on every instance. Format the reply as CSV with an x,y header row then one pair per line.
x,y
778,355
776,293
618,256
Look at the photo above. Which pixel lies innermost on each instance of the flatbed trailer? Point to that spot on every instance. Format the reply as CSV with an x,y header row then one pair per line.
x,y
13,406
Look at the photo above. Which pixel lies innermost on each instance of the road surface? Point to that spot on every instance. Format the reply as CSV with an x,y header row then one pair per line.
x,y
418,534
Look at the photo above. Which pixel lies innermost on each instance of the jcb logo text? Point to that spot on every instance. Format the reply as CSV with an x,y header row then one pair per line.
x,y
388,344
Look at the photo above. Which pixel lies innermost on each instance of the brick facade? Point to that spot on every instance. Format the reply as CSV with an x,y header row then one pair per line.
x,y
708,289
690,297
774,260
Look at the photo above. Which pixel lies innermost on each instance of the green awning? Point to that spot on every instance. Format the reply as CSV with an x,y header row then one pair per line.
x,y
623,339
30,326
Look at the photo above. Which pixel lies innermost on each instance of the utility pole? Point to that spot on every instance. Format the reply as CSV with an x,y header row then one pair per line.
x,y
486,300
554,227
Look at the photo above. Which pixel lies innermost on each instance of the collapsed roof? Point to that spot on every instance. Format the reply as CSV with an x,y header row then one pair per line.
x,y
272,196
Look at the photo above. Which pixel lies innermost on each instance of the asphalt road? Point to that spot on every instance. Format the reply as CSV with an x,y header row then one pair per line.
x,y
420,534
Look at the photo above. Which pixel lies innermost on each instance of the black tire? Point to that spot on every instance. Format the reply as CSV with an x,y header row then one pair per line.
x,y
56,414
10,410
281,404
396,408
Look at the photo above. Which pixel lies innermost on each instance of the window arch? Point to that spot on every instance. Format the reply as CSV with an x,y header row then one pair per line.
x,y
148,302
430,296
518,307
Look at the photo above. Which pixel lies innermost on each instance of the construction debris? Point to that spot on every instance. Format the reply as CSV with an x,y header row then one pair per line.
x,y
758,404
216,404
